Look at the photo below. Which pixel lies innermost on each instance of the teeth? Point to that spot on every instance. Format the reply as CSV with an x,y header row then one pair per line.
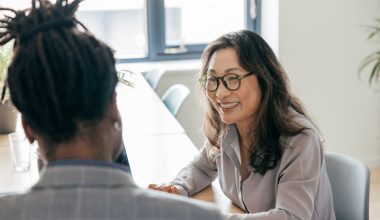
x,y
229,105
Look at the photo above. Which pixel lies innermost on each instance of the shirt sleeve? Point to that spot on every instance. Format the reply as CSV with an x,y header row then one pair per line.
x,y
297,182
200,173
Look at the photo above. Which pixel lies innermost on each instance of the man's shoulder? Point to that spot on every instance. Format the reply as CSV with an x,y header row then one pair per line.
x,y
177,206
130,202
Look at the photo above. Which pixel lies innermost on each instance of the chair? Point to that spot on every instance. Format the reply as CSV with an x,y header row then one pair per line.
x,y
174,97
349,180
153,77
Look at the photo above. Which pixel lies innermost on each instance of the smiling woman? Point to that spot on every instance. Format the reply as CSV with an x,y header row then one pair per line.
x,y
271,162
235,102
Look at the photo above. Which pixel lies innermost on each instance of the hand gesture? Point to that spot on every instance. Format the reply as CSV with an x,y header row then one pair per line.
x,y
169,188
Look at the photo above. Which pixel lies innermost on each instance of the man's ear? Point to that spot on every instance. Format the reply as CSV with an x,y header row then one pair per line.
x,y
114,110
114,99
28,130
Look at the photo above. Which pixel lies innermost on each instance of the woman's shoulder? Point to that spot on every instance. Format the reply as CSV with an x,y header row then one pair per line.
x,y
302,120
307,142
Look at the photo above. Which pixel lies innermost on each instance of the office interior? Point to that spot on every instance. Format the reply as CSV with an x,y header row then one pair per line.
x,y
321,45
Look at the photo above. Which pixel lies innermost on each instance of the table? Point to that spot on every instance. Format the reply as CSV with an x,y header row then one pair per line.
x,y
158,158
10,180
156,144
142,111
215,195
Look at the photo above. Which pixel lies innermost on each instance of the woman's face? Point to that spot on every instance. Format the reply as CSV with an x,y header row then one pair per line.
x,y
234,107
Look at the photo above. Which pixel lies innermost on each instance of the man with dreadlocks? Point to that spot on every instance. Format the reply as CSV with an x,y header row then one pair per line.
x,y
62,80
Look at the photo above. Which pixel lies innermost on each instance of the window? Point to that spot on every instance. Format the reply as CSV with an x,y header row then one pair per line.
x,y
185,27
121,24
153,30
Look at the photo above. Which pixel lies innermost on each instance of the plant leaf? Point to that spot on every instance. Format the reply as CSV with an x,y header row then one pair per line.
x,y
375,31
375,72
374,57
121,74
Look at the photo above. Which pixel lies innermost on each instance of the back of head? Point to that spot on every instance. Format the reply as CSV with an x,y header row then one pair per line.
x,y
61,76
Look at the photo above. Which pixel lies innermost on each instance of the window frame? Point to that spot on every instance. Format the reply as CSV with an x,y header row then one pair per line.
x,y
155,18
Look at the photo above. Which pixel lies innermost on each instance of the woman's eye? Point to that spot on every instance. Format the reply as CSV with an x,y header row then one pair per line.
x,y
232,78
211,79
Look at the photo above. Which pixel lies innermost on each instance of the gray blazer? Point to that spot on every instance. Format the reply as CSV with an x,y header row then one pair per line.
x,y
98,192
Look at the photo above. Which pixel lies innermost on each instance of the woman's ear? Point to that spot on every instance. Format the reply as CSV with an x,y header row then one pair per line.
x,y
28,130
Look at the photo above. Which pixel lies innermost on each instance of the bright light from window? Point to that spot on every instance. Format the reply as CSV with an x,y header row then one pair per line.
x,y
16,4
106,5
119,23
200,21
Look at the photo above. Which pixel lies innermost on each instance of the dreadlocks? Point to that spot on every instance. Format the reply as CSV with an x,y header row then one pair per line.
x,y
60,75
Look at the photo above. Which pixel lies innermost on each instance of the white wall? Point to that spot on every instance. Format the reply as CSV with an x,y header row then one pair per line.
x,y
270,22
321,44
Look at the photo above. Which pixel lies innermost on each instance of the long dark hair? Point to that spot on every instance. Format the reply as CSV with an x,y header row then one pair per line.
x,y
274,116
61,76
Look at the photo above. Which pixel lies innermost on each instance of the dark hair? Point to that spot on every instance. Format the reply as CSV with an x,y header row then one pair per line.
x,y
61,77
274,117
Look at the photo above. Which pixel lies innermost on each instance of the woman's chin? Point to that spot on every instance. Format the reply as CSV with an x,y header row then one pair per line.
x,y
228,121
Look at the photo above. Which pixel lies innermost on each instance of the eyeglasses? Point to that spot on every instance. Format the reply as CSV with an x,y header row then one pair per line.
x,y
230,81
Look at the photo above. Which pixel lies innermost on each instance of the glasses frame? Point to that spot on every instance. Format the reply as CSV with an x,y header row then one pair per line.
x,y
203,79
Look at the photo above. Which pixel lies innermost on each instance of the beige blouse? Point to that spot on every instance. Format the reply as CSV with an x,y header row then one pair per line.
x,y
298,188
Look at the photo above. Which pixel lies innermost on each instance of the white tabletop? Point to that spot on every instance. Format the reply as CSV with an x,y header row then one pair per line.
x,y
142,111
158,158
11,180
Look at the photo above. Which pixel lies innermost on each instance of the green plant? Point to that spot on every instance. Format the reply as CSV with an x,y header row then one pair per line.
x,y
122,75
372,61
5,58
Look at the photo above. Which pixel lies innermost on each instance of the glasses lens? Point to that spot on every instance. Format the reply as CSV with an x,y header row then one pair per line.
x,y
210,83
232,81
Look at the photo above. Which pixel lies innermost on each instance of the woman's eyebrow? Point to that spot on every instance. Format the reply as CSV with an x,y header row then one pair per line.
x,y
212,71
232,69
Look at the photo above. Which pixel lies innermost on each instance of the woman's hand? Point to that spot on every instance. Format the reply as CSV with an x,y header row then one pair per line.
x,y
169,188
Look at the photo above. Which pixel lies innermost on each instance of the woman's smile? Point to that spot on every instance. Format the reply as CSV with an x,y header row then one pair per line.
x,y
228,105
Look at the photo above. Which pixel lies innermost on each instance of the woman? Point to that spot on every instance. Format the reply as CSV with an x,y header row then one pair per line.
x,y
62,80
261,145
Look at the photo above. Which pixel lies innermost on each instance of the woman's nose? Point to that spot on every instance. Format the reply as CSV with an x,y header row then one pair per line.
x,y
222,91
